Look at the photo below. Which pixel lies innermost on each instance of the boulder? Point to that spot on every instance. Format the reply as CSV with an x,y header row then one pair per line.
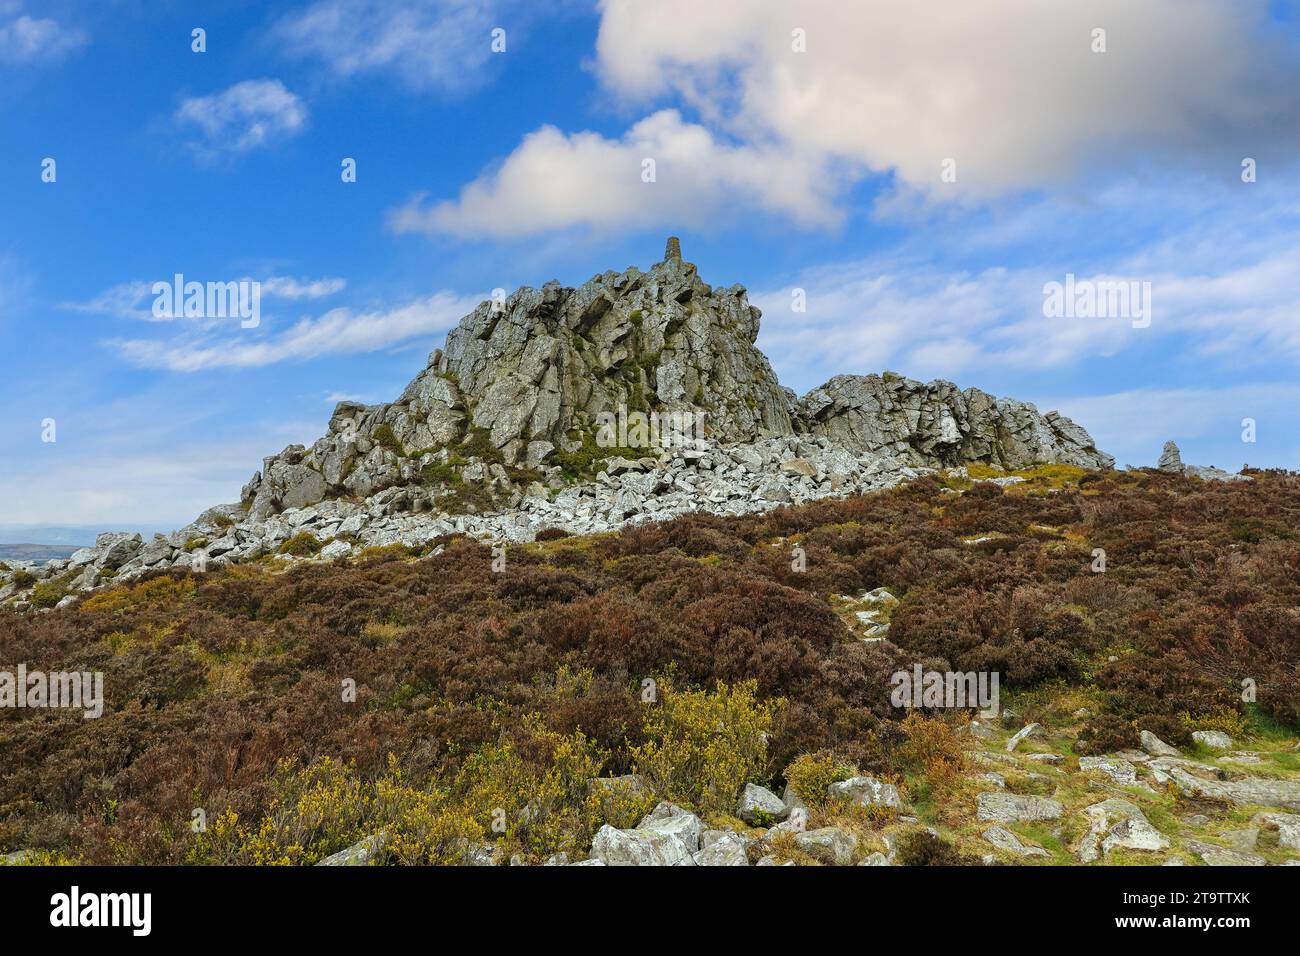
x,y
359,854
671,820
1286,824
1170,459
865,792
1216,739
829,845
1121,771
639,847
1029,730
1008,842
723,848
759,806
999,807
1118,824
1155,746
116,550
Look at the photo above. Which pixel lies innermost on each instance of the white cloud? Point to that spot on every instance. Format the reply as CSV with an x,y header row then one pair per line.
x,y
26,40
247,115
1009,89
337,332
556,181
441,44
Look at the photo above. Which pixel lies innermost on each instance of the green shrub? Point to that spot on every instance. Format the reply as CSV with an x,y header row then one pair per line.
x,y
477,443
302,544
440,473
811,773
700,747
22,579
50,593
385,437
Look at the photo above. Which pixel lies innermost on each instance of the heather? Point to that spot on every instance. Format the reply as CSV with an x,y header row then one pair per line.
x,y
479,689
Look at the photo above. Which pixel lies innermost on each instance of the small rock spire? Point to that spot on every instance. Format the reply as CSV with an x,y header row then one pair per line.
x,y
673,250
1170,459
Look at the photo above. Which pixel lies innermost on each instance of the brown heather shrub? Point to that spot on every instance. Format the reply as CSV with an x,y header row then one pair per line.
x,y
213,681
923,848
1105,734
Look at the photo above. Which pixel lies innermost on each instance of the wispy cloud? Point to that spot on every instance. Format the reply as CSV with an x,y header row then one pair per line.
x,y
425,44
1224,274
134,299
337,332
245,116
26,40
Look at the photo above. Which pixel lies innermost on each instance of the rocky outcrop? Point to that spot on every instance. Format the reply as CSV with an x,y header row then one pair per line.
x,y
529,375
1170,459
1118,824
525,380
1171,462
637,396
937,424
1000,807
1258,791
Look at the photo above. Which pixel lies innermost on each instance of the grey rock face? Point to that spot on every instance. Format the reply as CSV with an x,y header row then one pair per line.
x,y
1261,791
1118,824
532,373
998,807
638,847
1170,459
866,792
1223,856
1121,771
939,424
524,384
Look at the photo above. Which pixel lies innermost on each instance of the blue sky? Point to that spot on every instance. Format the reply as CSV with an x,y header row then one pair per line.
x,y
819,169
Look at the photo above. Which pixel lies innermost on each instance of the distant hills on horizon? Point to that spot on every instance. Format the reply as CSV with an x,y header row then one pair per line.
x,y
66,538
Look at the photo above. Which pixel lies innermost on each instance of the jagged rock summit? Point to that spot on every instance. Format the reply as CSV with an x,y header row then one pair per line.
x,y
527,378
637,396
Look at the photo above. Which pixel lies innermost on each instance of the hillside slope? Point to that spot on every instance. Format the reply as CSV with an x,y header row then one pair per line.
x,y
702,654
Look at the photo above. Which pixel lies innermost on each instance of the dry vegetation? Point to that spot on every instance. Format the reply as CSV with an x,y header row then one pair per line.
x,y
479,690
